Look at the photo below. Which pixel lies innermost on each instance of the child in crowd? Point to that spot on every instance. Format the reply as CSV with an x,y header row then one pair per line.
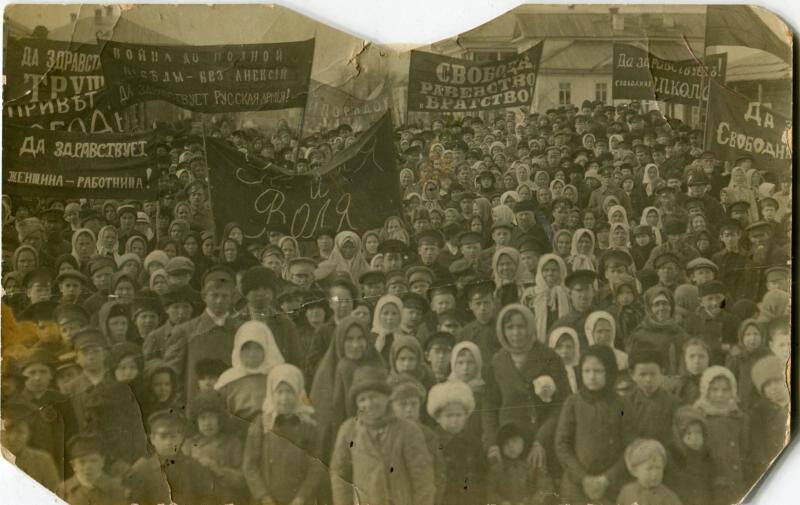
x,y
16,437
450,404
589,437
749,350
161,385
216,446
127,367
513,480
281,462
689,469
718,326
178,303
770,413
438,349
375,448
90,484
686,386
779,337
648,410
646,459
564,341
406,357
728,434
408,397
254,354
466,364
168,475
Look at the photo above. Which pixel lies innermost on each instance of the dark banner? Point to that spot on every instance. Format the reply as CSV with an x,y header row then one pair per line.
x,y
357,190
39,162
230,78
640,75
328,106
57,86
738,127
444,84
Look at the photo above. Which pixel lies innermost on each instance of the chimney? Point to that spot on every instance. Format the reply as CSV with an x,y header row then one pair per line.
x,y
617,20
73,17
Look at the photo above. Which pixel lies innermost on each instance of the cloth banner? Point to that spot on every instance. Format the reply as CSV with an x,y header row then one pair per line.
x,y
230,78
443,84
357,190
57,86
738,127
640,75
329,106
39,162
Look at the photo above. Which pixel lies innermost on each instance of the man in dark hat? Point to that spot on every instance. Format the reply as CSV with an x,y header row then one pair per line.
x,y
740,211
394,254
87,455
502,234
531,223
768,208
697,185
669,268
72,286
482,330
209,335
180,303
429,248
732,262
608,188
259,287
470,245
373,285
675,243
582,300
764,254
54,244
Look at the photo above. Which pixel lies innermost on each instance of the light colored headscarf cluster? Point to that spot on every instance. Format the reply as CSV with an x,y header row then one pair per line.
x,y
289,374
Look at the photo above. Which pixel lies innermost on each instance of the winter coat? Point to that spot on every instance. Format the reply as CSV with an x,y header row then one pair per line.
x,y
648,417
716,331
39,466
181,480
728,443
768,435
634,493
283,463
52,425
222,455
465,467
105,490
666,338
394,468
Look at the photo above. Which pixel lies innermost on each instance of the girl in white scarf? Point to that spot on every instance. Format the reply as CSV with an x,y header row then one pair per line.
x,y
582,255
617,214
106,245
604,334
740,190
650,177
475,380
291,376
570,357
551,300
654,224
384,321
346,256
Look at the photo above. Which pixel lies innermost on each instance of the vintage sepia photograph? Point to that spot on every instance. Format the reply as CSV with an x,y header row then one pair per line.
x,y
250,258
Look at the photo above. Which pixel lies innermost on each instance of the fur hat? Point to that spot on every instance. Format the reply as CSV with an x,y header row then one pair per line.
x,y
767,369
448,392
369,378
642,450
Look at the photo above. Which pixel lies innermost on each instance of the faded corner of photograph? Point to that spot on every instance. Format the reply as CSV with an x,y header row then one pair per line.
x,y
249,258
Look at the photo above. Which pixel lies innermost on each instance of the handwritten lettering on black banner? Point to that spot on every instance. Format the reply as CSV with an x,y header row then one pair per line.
x,y
57,86
640,75
328,106
444,84
231,78
739,127
77,165
357,190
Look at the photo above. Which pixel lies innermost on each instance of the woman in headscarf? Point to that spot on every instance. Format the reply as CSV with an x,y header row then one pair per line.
x,y
482,209
137,244
178,229
386,321
601,329
376,263
551,296
107,243
509,198
687,300
370,242
183,210
582,255
659,330
619,237
289,246
562,242
346,256
522,173
158,282
83,246
651,217
191,248
407,358
739,190
232,256
570,192
407,182
25,259
350,348
281,460
466,365
509,274
650,177
557,188
503,214
254,354
541,180
394,229
233,230
430,197
566,344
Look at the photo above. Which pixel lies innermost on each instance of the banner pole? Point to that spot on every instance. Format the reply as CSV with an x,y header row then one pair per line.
x,y
208,169
299,135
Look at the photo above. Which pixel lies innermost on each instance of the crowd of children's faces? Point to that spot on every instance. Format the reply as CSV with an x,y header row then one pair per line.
x,y
688,376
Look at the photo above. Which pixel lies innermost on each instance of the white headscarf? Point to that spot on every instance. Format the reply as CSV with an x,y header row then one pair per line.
x,y
583,261
552,342
649,182
546,297
251,331
656,229
377,327
520,276
336,262
477,381
286,373
588,328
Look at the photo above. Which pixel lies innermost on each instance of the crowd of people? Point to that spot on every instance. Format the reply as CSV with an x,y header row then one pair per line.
x,y
574,306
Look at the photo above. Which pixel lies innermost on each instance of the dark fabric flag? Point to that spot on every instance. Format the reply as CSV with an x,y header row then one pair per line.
x,y
329,106
641,75
78,165
739,127
739,25
57,85
439,83
356,190
229,78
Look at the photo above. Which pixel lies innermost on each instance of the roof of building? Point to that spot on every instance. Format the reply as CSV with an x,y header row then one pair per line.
x,y
86,29
599,25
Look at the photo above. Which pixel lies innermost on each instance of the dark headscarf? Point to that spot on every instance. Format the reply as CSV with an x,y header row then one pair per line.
x,y
606,356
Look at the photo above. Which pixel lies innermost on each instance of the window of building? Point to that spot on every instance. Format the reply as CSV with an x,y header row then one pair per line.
x,y
564,93
601,92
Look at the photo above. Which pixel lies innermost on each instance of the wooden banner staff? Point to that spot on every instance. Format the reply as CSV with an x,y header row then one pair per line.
x,y
208,169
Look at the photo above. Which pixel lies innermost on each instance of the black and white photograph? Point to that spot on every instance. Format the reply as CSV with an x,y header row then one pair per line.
x,y
251,258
